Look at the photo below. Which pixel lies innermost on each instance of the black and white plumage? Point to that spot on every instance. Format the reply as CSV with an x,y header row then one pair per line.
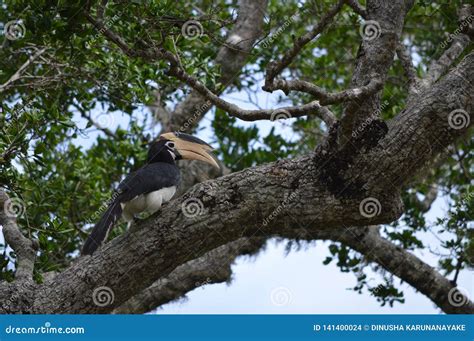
x,y
146,189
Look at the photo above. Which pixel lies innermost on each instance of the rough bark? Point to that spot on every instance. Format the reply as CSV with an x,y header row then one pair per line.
x,y
381,36
24,248
409,268
213,267
323,190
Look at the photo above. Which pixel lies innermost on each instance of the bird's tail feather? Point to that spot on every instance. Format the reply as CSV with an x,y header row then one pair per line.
x,y
102,228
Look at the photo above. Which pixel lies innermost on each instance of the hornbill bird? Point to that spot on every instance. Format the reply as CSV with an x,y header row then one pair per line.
x,y
147,188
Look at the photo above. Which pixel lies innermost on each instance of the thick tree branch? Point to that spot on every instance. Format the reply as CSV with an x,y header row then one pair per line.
x,y
322,95
401,263
23,247
409,268
247,203
381,36
213,267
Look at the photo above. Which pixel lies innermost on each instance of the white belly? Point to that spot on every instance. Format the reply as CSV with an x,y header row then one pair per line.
x,y
150,202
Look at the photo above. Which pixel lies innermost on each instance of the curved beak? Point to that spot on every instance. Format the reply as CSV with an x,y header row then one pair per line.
x,y
191,148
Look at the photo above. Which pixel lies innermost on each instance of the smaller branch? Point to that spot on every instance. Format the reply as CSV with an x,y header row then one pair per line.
x,y
322,95
459,42
151,53
23,247
438,67
213,267
408,67
178,72
313,107
425,204
398,261
275,68
459,264
21,70
358,8
430,197
408,267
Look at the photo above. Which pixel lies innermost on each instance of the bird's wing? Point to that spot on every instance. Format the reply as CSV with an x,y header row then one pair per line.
x,y
148,179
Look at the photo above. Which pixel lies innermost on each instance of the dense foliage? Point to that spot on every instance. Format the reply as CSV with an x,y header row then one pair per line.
x,y
79,119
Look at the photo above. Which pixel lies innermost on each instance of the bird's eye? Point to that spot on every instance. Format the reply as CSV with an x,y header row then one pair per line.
x,y
170,144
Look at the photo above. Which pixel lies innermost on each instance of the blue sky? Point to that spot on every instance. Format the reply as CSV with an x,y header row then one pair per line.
x,y
306,285
299,280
